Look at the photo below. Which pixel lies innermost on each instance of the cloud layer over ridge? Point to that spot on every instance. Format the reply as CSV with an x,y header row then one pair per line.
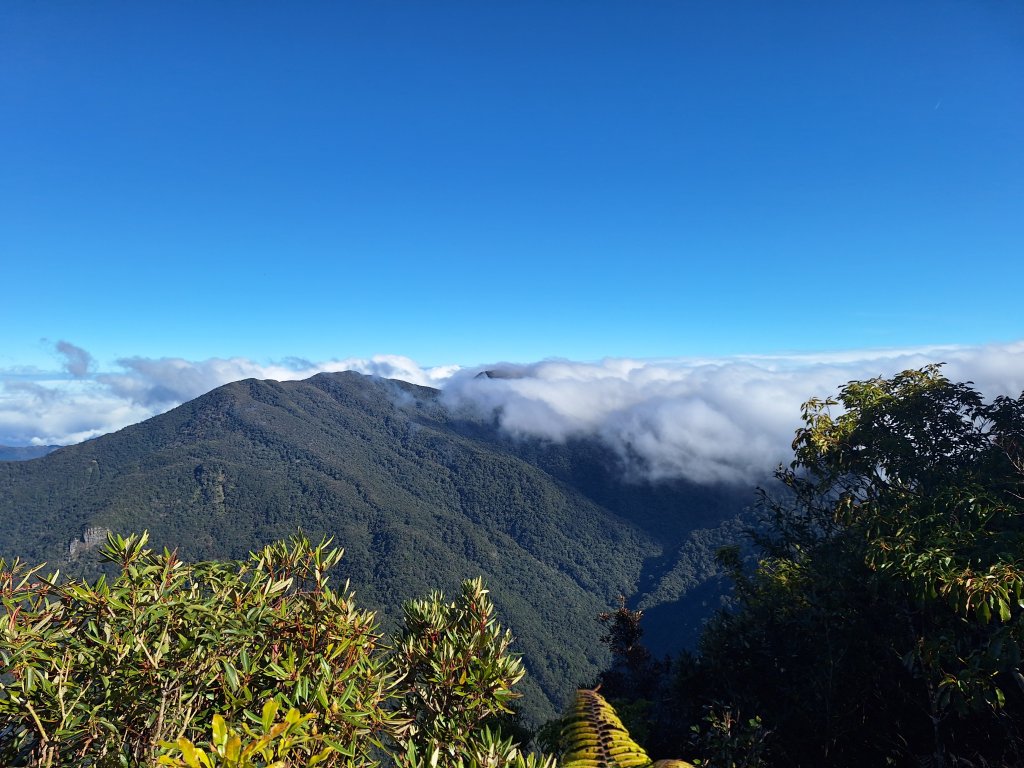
x,y
707,420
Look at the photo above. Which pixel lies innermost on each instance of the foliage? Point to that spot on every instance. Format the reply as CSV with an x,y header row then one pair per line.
x,y
486,750
454,670
623,635
884,621
593,736
632,681
109,673
932,478
729,741
279,743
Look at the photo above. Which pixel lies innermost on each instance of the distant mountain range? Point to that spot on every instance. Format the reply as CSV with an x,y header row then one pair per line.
x,y
25,452
419,496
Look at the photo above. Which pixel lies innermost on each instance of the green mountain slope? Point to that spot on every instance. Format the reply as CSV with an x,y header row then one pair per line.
x,y
419,497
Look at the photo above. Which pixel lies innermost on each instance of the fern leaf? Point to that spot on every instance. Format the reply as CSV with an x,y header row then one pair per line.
x,y
595,738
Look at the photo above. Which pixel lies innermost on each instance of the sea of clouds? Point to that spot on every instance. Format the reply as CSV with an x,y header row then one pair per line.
x,y
706,420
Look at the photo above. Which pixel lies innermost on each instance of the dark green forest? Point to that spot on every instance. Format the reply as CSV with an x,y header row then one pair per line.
x,y
876,612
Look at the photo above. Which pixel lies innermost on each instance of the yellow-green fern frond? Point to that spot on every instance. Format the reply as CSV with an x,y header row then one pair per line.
x,y
595,738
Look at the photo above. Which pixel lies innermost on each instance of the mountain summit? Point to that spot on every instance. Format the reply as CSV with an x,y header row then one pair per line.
x,y
419,496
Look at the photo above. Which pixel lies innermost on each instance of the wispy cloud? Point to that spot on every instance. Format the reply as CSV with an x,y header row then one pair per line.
x,y
76,360
703,419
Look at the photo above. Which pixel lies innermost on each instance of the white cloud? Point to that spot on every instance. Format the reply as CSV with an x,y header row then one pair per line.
x,y
703,419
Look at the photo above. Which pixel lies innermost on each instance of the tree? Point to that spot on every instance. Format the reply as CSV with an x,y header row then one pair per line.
x,y
633,674
931,477
885,617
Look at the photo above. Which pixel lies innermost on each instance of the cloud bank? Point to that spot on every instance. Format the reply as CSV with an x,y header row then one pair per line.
x,y
706,420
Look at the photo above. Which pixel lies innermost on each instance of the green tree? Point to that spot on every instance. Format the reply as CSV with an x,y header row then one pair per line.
x,y
931,477
884,620
632,683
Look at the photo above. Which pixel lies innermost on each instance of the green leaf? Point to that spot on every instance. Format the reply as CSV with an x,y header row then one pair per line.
x,y
231,674
1004,610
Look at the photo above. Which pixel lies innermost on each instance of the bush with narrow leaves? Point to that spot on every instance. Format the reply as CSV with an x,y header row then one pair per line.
x,y
454,670
117,672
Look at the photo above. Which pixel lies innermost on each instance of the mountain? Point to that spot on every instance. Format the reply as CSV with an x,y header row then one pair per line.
x,y
419,496
25,452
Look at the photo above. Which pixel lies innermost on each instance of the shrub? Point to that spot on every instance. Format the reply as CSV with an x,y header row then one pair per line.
x,y
112,673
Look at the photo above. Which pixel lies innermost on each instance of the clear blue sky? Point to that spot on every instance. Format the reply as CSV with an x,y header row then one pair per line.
x,y
464,182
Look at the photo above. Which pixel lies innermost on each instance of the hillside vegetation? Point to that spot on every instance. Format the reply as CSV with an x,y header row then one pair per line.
x,y
421,498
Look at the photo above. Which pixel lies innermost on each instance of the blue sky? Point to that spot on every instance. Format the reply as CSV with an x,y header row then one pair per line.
x,y
469,182
191,192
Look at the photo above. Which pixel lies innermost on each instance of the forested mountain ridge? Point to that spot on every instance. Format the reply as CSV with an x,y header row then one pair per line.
x,y
419,497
